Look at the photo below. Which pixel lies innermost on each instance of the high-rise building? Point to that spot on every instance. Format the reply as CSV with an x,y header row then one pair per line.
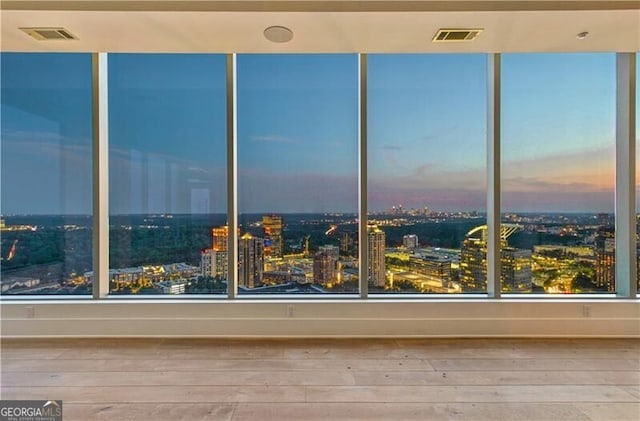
x,y
473,264
515,264
515,269
324,267
375,256
214,263
346,244
274,245
605,248
410,241
250,261
220,238
330,249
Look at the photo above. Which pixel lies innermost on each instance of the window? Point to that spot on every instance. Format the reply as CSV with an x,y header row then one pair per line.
x,y
558,150
167,173
427,173
46,221
297,174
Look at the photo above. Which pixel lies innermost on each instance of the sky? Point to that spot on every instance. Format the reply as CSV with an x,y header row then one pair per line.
x,y
297,120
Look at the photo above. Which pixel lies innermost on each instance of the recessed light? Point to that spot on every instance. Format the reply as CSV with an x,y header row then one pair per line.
x,y
278,34
582,35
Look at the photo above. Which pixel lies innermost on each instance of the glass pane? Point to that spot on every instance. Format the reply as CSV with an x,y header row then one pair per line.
x,y
46,221
558,128
297,173
427,173
167,173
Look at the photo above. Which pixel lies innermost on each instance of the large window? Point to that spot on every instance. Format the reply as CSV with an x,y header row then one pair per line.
x,y
297,174
167,173
558,169
46,220
427,173
297,150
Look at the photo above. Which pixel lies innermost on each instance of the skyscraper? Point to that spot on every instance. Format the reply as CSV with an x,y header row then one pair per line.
x,y
515,269
250,261
272,226
324,267
473,264
214,263
605,247
515,264
375,257
220,238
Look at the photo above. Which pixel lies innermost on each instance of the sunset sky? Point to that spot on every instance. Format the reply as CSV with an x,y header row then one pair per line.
x,y
297,132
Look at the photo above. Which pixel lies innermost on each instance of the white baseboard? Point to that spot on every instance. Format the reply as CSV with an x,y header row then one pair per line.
x,y
301,318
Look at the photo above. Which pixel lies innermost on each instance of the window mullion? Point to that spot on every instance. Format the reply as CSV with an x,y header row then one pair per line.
x,y
493,176
232,179
100,117
363,246
626,269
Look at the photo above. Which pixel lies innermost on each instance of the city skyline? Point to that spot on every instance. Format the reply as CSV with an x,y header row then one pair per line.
x,y
421,152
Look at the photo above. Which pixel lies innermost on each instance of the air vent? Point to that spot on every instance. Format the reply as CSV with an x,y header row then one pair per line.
x,y
456,35
46,34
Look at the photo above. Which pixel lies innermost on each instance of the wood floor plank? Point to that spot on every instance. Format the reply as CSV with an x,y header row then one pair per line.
x,y
320,378
148,412
407,412
577,364
180,378
160,394
449,394
610,412
257,364
425,378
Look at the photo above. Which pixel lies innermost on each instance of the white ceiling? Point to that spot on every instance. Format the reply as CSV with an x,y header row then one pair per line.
x,y
223,26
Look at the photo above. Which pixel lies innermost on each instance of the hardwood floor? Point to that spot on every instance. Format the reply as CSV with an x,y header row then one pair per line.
x,y
324,379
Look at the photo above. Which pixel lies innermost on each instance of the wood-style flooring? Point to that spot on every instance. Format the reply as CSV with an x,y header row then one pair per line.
x,y
327,379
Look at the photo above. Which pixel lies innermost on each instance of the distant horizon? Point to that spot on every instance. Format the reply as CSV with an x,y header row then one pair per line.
x,y
156,214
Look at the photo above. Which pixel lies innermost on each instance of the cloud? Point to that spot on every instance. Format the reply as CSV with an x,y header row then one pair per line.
x,y
533,184
273,139
393,148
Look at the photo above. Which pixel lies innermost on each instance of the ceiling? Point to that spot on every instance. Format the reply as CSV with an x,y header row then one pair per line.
x,y
372,26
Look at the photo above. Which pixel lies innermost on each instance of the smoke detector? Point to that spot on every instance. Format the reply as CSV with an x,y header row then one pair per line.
x,y
456,35
46,34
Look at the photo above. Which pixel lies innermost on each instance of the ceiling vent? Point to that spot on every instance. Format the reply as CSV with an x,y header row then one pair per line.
x,y
46,34
456,35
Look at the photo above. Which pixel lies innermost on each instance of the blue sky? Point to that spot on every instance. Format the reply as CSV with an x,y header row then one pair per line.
x,y
297,132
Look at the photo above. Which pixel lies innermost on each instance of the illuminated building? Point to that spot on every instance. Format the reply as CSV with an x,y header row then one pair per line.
x,y
605,247
515,272
214,263
515,269
410,241
473,264
250,261
332,250
375,256
324,267
432,266
346,244
272,226
220,238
